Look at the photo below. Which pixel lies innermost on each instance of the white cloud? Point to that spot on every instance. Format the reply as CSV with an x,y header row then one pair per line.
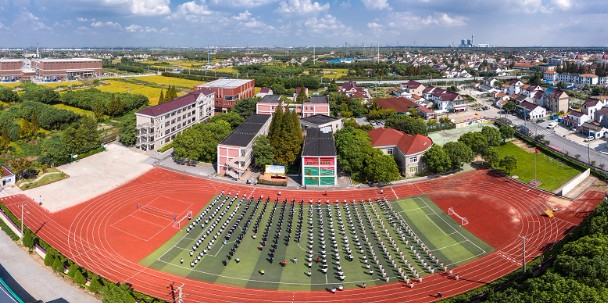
x,y
243,3
301,7
106,24
192,11
562,4
134,28
376,4
26,19
143,7
374,25
246,20
81,19
327,24
408,20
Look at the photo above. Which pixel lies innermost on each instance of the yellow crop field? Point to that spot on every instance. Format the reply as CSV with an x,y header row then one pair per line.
x,y
10,84
224,70
76,110
114,86
162,80
63,83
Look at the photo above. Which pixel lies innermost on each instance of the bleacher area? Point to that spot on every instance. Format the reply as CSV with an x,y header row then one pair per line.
x,y
274,243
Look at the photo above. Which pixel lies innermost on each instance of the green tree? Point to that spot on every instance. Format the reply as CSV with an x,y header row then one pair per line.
x,y
491,157
506,132
508,163
263,153
79,278
436,159
407,124
28,239
246,107
301,97
332,87
5,139
492,134
72,269
200,141
8,95
275,128
58,264
96,285
127,131
234,119
381,168
54,150
115,108
49,258
161,98
98,109
475,140
445,120
459,154
117,293
509,106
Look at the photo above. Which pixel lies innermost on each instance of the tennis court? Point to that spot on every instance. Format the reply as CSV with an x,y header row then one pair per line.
x,y
442,233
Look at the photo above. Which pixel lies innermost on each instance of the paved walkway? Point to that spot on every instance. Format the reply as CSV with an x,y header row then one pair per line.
x,y
36,279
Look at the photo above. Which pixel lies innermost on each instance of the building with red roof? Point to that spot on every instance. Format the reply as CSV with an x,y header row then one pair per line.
x,y
8,177
407,149
158,125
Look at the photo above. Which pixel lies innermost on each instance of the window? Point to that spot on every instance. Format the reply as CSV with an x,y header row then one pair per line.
x,y
389,151
413,159
413,169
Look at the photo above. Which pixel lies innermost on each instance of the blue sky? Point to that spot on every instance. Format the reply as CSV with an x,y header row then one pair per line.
x,y
200,23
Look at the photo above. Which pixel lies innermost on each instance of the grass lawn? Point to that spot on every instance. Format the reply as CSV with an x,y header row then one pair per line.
x,y
450,242
551,172
47,179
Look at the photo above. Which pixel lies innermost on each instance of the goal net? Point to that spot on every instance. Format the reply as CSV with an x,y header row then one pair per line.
x,y
178,222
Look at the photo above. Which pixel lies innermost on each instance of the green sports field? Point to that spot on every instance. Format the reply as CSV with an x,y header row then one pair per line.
x,y
378,222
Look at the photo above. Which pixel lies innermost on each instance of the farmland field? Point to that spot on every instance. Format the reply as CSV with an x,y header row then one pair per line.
x,y
76,110
115,86
162,80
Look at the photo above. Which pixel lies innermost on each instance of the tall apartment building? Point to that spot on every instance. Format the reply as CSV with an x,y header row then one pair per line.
x,y
158,125
229,91
66,69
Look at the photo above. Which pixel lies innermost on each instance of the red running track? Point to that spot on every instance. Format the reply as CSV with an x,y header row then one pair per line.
x,y
499,210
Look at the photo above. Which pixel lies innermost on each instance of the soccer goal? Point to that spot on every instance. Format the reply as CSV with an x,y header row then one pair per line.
x,y
463,220
178,222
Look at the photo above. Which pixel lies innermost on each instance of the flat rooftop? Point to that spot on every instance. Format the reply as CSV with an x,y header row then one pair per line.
x,y
244,133
319,99
226,83
67,60
319,119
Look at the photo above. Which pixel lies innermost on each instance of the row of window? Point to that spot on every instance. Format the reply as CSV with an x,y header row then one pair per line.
x,y
179,111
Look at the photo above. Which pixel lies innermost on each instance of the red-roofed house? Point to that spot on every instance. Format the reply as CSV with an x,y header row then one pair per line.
x,y
400,104
8,177
351,89
407,149
157,125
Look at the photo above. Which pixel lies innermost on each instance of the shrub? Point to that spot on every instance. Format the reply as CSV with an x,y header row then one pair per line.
x,y
79,277
95,285
28,239
58,265
73,269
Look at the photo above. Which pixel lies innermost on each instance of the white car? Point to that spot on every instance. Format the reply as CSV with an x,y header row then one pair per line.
x,y
590,138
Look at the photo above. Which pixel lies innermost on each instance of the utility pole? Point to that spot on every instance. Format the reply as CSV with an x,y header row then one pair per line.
x,y
523,255
588,154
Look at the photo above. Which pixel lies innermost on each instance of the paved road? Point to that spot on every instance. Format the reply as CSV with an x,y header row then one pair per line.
x,y
37,280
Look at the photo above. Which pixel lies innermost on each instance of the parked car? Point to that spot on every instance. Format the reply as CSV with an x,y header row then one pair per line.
x,y
590,138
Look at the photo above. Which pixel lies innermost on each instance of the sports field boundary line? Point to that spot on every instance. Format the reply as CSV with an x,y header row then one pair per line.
x,y
463,236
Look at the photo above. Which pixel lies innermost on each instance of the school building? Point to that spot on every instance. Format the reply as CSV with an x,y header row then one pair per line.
x,y
229,91
235,152
407,149
319,158
158,125
315,105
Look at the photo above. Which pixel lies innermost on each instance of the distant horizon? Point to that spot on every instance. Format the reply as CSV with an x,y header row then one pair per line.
x,y
108,24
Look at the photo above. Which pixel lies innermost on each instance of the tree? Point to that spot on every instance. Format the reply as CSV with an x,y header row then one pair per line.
x,y
459,153
301,97
117,293
407,124
115,108
475,140
8,95
72,269
332,87
98,109
492,134
28,239
161,98
436,159
127,131
54,150
246,107
509,106
79,278
445,120
234,119
381,168
58,264
274,130
200,141
354,149
506,132
491,157
263,153
508,163
96,284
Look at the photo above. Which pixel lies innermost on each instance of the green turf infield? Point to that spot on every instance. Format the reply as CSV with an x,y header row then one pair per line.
x,y
449,242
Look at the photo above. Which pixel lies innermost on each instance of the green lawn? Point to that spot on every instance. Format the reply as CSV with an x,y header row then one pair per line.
x,y
550,172
451,244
